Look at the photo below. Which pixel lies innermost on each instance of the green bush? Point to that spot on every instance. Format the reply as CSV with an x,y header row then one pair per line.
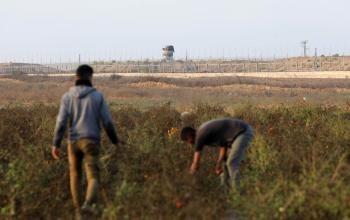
x,y
296,168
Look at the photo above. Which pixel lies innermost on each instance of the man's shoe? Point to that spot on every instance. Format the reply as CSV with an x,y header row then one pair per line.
x,y
86,208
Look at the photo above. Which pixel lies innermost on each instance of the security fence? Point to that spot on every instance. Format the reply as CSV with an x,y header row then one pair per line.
x,y
199,66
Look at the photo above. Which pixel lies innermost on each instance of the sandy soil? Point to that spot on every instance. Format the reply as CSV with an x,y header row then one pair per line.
x,y
10,80
311,75
152,85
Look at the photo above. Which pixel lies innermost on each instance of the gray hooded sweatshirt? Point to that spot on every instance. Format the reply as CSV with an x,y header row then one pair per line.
x,y
83,108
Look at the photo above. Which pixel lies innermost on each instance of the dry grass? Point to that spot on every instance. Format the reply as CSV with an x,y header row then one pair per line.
x,y
150,91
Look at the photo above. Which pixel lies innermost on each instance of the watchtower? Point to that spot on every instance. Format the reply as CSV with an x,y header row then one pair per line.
x,y
168,53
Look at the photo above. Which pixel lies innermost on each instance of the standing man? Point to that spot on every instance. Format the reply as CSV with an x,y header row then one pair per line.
x,y
83,108
231,136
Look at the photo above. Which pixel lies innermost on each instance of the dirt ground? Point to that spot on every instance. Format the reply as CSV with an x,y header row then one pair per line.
x,y
150,91
286,75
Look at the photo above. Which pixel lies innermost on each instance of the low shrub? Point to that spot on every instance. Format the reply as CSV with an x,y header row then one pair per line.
x,y
296,168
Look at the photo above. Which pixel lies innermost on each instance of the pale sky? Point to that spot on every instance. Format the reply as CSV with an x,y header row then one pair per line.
x,y
103,29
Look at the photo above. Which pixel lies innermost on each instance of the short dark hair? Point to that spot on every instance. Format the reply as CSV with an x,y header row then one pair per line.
x,y
188,132
84,71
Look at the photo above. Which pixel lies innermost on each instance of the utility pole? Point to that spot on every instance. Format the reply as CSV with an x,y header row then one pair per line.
x,y
304,45
315,60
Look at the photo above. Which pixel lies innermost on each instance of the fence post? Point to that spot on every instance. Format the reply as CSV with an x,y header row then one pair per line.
x,y
297,66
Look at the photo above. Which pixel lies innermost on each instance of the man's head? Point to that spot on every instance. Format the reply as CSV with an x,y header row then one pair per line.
x,y
84,72
188,134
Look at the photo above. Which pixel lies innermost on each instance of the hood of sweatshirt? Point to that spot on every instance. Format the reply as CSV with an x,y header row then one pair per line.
x,y
81,91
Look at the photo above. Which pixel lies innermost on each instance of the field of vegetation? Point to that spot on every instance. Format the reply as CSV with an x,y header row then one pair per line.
x,y
298,166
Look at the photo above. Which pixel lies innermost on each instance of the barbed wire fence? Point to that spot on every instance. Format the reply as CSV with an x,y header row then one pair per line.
x,y
300,64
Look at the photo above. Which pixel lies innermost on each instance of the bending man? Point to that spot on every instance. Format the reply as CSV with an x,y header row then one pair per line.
x,y
231,136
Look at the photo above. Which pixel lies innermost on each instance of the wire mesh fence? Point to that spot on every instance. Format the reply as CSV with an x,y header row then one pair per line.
x,y
193,66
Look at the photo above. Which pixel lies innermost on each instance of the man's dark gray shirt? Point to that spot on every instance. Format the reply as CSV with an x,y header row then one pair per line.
x,y
219,133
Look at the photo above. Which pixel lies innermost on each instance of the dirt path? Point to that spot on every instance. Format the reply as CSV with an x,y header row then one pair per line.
x,y
311,75
10,80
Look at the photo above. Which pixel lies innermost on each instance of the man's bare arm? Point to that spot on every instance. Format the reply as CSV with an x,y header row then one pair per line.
x,y
219,169
195,162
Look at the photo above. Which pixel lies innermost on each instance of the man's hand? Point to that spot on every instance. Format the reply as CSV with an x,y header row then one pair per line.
x,y
55,152
218,169
194,168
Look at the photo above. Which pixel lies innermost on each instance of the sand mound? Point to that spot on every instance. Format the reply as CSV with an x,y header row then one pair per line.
x,y
152,85
10,80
